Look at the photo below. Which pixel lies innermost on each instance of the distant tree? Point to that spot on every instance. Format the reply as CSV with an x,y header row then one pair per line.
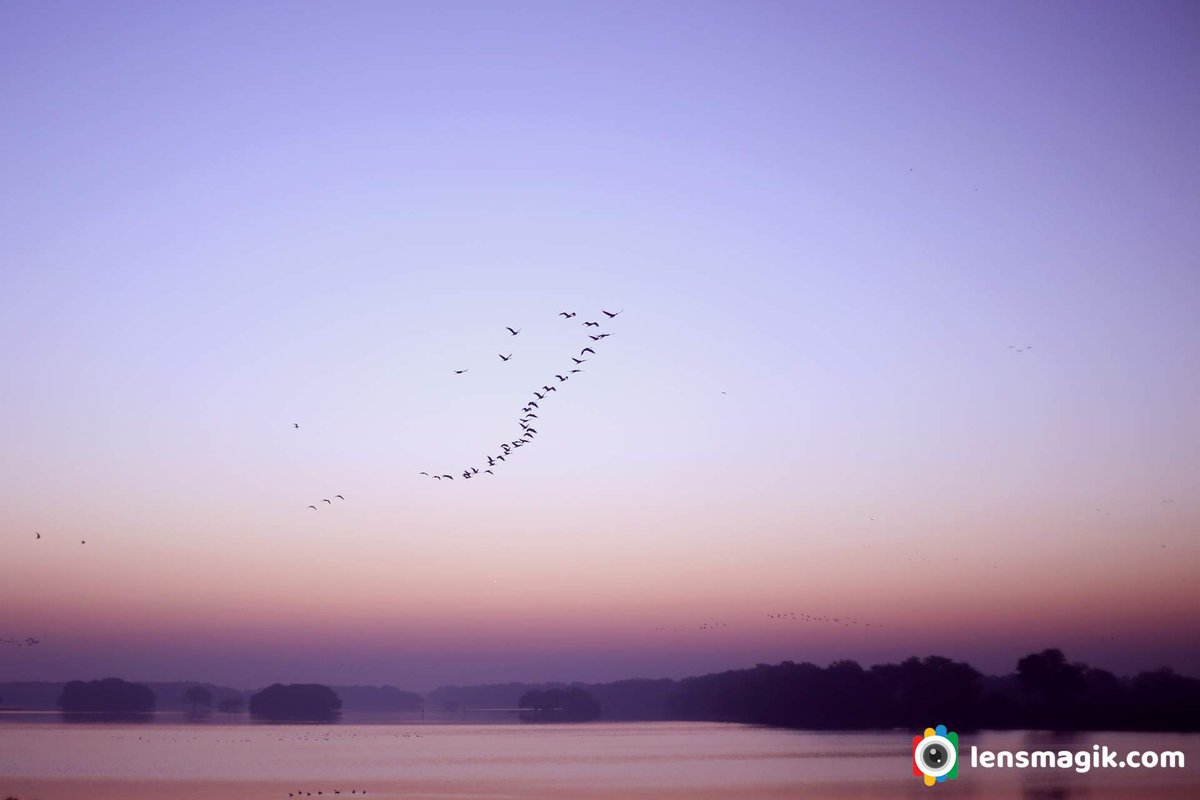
x,y
111,695
231,705
296,702
198,696
559,705
1054,686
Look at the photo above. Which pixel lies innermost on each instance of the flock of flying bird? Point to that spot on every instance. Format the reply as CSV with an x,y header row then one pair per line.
x,y
327,500
529,411
28,641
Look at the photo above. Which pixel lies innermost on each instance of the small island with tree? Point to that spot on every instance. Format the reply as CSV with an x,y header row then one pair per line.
x,y
296,702
558,705
108,696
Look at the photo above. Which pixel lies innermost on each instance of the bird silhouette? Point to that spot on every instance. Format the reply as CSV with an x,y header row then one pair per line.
x,y
489,472
572,372
36,534
587,350
460,371
560,378
591,324
314,508
610,314
595,338
295,424
514,333
339,497
566,315
533,404
84,541
326,500
579,360
505,358
602,336
423,473
539,396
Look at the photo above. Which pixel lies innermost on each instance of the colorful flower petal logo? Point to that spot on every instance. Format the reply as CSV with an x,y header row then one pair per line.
x,y
935,755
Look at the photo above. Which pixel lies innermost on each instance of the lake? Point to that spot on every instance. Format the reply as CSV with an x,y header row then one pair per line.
x,y
42,758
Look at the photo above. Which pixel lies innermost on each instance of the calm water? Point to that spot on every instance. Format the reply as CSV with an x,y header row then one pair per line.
x,y
51,760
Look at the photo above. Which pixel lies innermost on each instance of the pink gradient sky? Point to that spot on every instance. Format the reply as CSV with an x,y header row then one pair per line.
x,y
826,225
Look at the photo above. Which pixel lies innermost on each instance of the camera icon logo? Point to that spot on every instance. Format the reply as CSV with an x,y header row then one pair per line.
x,y
935,755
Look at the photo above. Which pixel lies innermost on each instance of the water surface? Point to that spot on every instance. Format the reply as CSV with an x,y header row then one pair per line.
x,y
53,760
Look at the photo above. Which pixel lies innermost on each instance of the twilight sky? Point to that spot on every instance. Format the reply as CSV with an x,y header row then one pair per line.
x,y
826,223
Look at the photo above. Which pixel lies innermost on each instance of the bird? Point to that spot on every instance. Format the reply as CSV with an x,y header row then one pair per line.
x,y
579,360
587,350
560,378
326,500
602,336
437,477
36,534
514,333
314,508
83,541
489,472
610,314
572,372
451,477
566,315
339,497
460,371
539,396
506,358
595,338
426,474
295,424
491,461
533,404
591,324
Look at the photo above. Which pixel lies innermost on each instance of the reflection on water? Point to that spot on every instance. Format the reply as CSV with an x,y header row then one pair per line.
x,y
226,757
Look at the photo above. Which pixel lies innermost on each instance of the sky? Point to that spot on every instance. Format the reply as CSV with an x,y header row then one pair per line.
x,y
910,332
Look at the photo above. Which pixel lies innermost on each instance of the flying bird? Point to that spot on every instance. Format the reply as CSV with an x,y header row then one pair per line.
x,y
579,360
339,497
314,508
560,378
539,396
591,324
327,500
610,314
587,350
426,474
533,404
489,472
602,336
505,358
460,371
514,333
295,424
595,338
572,372
36,534
566,315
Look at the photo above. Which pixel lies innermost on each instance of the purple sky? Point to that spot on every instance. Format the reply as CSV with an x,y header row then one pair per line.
x,y
827,224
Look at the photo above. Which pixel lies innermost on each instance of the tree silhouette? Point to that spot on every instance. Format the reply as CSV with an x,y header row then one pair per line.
x,y
558,705
110,695
296,701
198,696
